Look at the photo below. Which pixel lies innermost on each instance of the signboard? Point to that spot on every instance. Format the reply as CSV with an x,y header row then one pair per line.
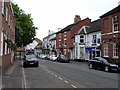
x,y
90,49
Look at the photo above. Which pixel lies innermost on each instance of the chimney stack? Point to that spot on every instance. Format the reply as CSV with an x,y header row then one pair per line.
x,y
77,18
118,3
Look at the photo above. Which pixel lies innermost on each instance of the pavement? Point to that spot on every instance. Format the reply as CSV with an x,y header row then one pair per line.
x,y
12,76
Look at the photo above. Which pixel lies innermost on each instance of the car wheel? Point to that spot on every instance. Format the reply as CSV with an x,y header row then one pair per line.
x,y
24,65
106,68
90,66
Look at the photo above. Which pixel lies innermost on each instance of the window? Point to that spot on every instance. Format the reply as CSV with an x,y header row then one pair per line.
x,y
64,51
5,44
9,19
1,52
105,49
115,23
59,35
64,34
6,13
2,6
81,39
59,43
94,39
115,49
64,42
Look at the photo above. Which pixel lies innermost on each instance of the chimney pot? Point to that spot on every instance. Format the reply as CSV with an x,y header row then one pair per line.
x,y
77,18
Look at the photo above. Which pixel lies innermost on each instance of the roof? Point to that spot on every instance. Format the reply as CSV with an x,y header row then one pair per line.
x,y
38,40
69,27
94,26
115,10
48,36
91,27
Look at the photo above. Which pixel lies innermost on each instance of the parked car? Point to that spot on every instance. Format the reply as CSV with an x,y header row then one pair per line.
x,y
42,56
53,58
47,57
104,64
63,58
30,60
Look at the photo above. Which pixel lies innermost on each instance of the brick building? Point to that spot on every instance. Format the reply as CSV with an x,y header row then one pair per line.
x,y
7,32
110,34
65,37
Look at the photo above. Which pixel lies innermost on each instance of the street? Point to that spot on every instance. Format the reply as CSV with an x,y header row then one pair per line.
x,y
51,74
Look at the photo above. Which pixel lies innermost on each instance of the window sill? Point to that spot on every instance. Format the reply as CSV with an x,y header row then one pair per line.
x,y
105,56
114,57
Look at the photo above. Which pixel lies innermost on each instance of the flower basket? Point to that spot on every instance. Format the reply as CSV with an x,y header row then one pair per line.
x,y
11,45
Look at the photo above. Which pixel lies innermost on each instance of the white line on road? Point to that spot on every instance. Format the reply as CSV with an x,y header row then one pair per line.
x,y
60,78
66,81
73,86
52,73
55,75
24,78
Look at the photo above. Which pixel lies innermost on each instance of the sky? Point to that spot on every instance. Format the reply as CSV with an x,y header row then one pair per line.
x,y
54,14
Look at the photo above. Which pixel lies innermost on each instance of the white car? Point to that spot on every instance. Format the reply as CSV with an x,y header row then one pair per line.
x,y
53,58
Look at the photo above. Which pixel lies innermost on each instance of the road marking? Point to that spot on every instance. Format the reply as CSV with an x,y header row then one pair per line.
x,y
73,86
66,81
24,78
52,73
60,78
56,76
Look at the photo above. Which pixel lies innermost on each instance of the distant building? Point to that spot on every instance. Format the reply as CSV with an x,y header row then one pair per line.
x,y
7,32
33,44
110,34
87,41
49,43
65,37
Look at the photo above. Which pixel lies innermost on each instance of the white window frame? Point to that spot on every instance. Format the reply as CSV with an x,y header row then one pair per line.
x,y
5,44
116,23
115,50
64,34
1,52
65,42
6,13
82,38
59,43
3,7
9,19
59,35
64,51
105,49
94,38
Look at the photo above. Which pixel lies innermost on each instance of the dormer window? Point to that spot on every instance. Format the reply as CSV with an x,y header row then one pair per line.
x,y
81,39
115,23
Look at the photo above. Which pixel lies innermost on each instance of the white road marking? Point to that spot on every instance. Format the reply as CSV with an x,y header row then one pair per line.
x,y
52,73
73,86
60,78
66,81
55,75
24,78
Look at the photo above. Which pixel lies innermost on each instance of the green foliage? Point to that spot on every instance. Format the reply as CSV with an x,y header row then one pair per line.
x,y
11,45
25,26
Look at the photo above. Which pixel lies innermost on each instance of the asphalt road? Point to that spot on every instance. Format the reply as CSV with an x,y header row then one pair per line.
x,y
67,75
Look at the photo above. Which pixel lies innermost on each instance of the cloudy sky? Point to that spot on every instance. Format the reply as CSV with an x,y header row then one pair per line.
x,y
54,14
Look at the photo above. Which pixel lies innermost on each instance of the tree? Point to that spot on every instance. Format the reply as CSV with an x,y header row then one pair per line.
x,y
24,26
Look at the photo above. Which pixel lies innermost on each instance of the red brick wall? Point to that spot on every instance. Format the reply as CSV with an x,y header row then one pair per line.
x,y
10,32
106,27
69,34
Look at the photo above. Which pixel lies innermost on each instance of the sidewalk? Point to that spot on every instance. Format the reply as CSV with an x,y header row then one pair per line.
x,y
12,75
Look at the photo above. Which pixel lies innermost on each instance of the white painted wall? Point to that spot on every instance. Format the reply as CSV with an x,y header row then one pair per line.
x,y
32,45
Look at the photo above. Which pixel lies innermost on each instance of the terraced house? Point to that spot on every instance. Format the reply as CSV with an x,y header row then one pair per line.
x,y
110,34
7,32
65,37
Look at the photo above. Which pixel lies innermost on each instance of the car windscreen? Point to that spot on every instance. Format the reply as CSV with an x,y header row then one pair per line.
x,y
30,56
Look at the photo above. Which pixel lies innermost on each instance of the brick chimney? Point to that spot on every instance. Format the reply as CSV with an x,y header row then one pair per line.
x,y
77,18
